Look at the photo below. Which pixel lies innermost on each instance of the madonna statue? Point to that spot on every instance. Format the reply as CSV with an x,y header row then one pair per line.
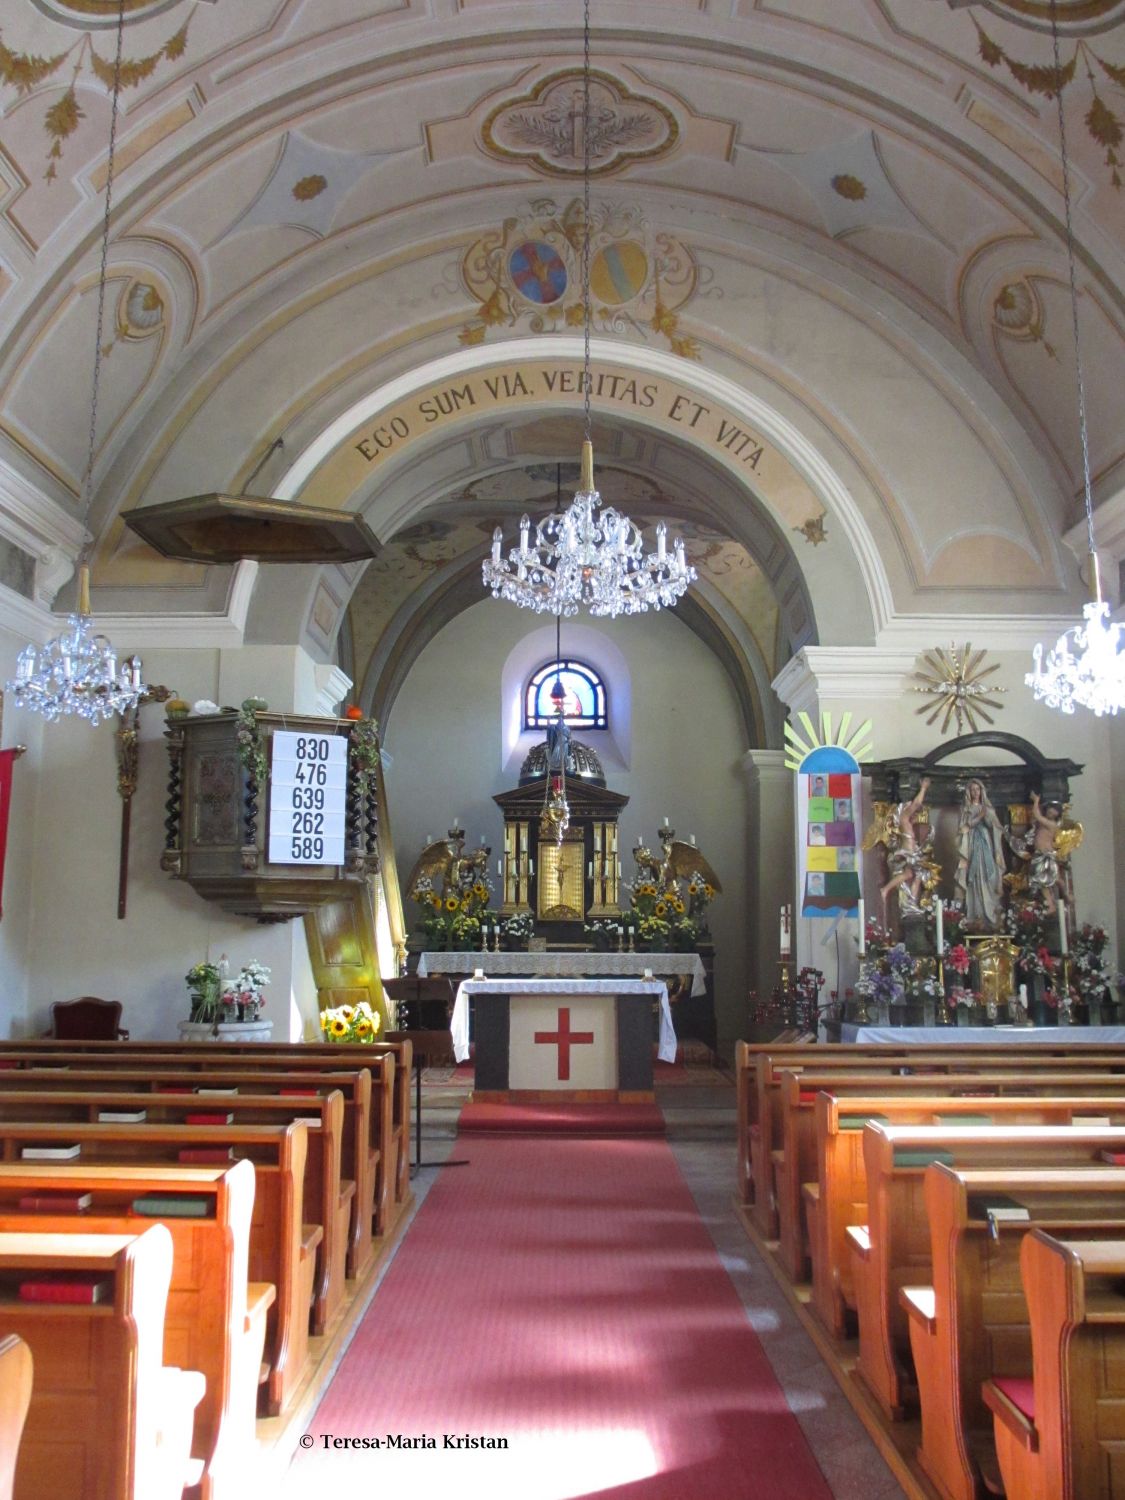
x,y
980,860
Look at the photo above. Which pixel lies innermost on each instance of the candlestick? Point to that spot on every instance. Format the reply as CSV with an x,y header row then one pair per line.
x,y
862,919
1064,947
785,940
939,930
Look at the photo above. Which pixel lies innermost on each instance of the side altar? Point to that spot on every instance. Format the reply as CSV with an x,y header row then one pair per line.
x,y
576,1039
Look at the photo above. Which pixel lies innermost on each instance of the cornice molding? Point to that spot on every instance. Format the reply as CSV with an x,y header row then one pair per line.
x,y
1015,632
27,620
195,628
332,686
42,528
860,672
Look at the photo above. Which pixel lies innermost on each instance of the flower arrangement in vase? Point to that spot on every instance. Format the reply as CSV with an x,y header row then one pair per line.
x,y
1092,980
604,935
350,1023
243,1000
451,918
516,931
204,983
671,920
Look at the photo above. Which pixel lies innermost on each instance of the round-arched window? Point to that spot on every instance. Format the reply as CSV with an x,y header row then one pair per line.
x,y
584,696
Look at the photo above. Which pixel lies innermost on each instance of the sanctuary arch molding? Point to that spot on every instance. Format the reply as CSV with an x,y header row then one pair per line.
x,y
351,463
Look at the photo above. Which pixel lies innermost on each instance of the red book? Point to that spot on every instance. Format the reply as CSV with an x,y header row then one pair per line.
x,y
300,1093
206,1156
56,1203
1115,1158
208,1119
80,1287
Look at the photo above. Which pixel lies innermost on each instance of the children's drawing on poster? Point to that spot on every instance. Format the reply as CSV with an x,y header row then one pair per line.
x,y
829,814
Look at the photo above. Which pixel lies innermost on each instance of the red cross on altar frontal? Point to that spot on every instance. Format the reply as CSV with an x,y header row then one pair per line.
x,y
564,1039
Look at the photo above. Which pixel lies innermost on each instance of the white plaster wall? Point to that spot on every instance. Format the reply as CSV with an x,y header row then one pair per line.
x,y
687,746
77,944
20,728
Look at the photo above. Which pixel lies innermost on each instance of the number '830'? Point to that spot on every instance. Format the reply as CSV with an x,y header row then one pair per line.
x,y
312,747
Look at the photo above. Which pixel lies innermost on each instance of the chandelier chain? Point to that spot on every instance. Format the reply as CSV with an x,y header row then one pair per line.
x,y
88,476
587,427
1087,494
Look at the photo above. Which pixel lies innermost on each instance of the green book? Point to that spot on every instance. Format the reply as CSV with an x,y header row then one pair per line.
x,y
923,1156
172,1206
964,1120
857,1122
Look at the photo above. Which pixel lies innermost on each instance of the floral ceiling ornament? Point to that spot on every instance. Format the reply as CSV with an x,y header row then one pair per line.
x,y
813,530
1103,124
545,128
1018,313
528,272
25,71
956,679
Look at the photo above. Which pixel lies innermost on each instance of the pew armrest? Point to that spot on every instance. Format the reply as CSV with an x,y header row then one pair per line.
x,y
180,1392
311,1236
920,1305
811,1191
860,1241
260,1297
1019,1423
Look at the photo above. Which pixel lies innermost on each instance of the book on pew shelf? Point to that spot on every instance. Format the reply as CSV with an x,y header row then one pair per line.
x,y
56,1203
122,1116
79,1287
921,1156
172,1206
1090,1120
964,1120
206,1156
1114,1158
50,1153
209,1119
300,1093
857,1122
998,1207
215,1092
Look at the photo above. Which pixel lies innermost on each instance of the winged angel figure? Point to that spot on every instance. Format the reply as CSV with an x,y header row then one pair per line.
x,y
443,867
678,861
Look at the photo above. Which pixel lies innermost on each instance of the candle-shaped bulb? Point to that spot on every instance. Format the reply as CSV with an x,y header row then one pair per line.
x,y
497,538
661,542
525,527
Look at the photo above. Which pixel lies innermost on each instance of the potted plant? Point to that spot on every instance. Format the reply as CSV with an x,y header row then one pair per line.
x,y
204,984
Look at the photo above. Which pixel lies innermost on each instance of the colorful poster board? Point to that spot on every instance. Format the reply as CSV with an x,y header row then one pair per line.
x,y
829,791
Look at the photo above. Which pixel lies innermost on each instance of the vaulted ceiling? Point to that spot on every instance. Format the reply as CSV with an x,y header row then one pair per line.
x,y
849,208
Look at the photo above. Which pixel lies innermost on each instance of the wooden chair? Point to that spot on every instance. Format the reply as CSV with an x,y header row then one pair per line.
x,y
87,1019
15,1397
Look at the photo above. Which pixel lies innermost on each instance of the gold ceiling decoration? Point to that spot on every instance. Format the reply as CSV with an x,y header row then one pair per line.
x,y
849,187
956,680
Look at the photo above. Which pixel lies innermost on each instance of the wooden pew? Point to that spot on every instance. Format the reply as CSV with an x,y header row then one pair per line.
x,y
1060,1436
283,1247
369,1097
216,1318
327,1200
972,1322
794,1160
15,1396
759,1068
890,1243
107,1420
394,1146
258,1099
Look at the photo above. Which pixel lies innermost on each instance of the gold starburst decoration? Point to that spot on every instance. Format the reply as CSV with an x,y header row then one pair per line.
x,y
956,678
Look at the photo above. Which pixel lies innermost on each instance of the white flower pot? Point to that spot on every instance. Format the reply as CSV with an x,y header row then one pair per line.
x,y
226,1031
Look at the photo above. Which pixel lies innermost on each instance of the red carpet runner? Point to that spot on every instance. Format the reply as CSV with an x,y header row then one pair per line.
x,y
564,1295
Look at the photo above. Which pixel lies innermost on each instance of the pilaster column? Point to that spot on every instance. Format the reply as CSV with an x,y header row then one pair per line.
x,y
770,867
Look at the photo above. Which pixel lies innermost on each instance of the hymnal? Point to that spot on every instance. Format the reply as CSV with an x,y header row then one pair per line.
x,y
209,1119
56,1203
172,1206
206,1156
50,1153
122,1116
77,1287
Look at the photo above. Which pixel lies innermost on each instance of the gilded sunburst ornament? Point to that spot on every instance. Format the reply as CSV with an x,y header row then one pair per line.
x,y
956,680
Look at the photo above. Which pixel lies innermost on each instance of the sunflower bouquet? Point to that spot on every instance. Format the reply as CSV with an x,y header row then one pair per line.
x,y
451,918
672,919
350,1023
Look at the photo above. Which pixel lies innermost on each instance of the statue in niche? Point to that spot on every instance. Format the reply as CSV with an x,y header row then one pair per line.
x,y
907,861
1040,847
979,879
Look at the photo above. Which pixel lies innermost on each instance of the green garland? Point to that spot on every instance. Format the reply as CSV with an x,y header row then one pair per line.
x,y
363,753
251,742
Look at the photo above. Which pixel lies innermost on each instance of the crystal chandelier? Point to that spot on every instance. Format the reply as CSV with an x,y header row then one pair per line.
x,y
78,672
587,557
1087,666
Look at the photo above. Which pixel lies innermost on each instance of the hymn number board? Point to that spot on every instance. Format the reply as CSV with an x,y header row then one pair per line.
x,y
308,788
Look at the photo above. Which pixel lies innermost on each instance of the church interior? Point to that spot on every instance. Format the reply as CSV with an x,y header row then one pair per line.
x,y
562,631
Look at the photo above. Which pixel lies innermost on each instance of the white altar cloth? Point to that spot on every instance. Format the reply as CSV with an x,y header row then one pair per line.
x,y
952,1036
666,1047
567,965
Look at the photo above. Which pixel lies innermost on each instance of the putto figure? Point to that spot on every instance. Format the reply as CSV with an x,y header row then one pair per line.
x,y
1042,851
906,860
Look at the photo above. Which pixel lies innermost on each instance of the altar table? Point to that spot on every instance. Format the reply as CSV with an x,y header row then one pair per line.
x,y
558,1036
951,1036
567,965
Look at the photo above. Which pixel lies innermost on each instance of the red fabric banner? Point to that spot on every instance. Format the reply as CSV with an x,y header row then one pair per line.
x,y
7,761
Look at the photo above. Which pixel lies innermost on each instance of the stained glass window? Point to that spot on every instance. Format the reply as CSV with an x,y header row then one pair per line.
x,y
584,696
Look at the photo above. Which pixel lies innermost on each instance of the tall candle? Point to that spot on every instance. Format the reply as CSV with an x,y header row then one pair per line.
x,y
785,940
666,820
1064,948
590,870
862,919
939,929
691,840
